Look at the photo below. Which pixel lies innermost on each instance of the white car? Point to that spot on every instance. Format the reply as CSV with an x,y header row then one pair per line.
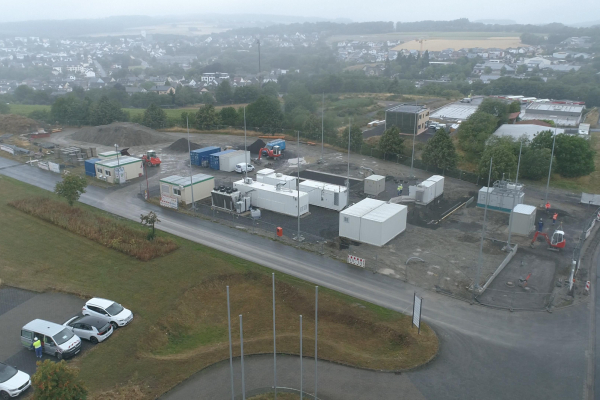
x,y
12,381
94,329
108,310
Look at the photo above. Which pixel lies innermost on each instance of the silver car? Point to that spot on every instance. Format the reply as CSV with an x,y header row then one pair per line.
x,y
91,328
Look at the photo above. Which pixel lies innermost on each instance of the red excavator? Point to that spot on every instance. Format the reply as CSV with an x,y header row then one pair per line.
x,y
556,243
271,153
151,159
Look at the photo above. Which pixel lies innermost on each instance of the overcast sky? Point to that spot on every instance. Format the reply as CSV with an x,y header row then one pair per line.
x,y
522,11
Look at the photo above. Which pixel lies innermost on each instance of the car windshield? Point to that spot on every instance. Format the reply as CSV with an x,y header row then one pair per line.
x,y
114,309
6,372
64,336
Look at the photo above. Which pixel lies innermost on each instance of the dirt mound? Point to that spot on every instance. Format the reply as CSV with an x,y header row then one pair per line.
x,y
256,146
122,133
11,123
181,146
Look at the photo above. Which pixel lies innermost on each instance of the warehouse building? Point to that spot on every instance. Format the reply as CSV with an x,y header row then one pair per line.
x,y
373,222
119,170
273,198
406,116
183,187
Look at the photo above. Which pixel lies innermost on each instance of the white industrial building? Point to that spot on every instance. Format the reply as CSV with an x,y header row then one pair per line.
x,y
119,170
523,219
428,190
373,221
267,175
325,195
374,185
228,161
182,187
269,197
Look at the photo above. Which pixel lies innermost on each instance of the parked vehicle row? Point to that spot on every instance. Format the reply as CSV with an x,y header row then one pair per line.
x,y
99,320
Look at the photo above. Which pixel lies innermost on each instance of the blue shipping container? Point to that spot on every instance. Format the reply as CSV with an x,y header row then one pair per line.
x,y
276,142
90,166
214,158
200,155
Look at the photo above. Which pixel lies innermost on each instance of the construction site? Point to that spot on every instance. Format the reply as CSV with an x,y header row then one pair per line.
x,y
379,215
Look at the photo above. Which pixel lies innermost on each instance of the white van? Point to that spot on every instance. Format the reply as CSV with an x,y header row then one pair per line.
x,y
57,340
243,167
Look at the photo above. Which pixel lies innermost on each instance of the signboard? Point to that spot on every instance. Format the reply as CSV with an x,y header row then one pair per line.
x,y
7,149
43,165
168,201
416,318
359,262
54,167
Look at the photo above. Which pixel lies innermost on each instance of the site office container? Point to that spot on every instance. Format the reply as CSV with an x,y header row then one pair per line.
x,y
90,166
182,187
268,197
214,159
228,161
374,185
324,195
271,177
523,219
200,157
350,218
383,224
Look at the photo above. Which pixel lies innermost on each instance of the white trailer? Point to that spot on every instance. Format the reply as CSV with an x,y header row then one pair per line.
x,y
182,187
271,177
228,161
383,224
350,218
374,185
273,198
325,195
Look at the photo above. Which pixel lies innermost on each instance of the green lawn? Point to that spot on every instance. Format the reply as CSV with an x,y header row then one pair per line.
x,y
179,302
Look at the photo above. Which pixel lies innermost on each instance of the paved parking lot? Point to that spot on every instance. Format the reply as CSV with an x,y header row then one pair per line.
x,y
18,307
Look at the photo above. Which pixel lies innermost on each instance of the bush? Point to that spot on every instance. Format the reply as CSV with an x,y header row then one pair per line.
x,y
106,231
53,381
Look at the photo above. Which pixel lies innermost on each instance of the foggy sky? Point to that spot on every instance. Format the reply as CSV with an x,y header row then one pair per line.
x,y
521,11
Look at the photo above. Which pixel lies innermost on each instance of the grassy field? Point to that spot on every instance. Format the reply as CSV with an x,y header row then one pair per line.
x,y
180,306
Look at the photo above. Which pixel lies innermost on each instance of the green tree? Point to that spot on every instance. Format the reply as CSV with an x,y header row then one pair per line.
x,y
207,117
149,219
224,93
495,107
265,113
440,152
504,159
71,187
154,117
574,156
229,116
534,163
474,132
53,381
4,108
106,111
391,142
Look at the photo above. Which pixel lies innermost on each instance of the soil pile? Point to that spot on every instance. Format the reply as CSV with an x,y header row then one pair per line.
x,y
11,123
256,146
181,146
125,134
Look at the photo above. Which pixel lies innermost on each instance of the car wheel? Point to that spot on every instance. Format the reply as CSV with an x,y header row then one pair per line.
x,y
58,355
94,340
114,325
4,396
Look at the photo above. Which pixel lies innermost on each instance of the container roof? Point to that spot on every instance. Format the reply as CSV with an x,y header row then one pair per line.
x,y
115,162
384,212
374,178
185,180
363,207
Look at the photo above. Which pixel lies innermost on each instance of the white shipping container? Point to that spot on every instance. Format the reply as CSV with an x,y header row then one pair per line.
x,y
350,218
523,219
228,161
383,224
325,195
268,197
374,184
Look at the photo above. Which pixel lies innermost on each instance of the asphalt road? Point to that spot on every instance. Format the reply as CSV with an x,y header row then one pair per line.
x,y
485,353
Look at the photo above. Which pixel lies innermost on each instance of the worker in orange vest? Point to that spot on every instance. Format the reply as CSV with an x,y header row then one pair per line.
x,y
554,218
547,207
